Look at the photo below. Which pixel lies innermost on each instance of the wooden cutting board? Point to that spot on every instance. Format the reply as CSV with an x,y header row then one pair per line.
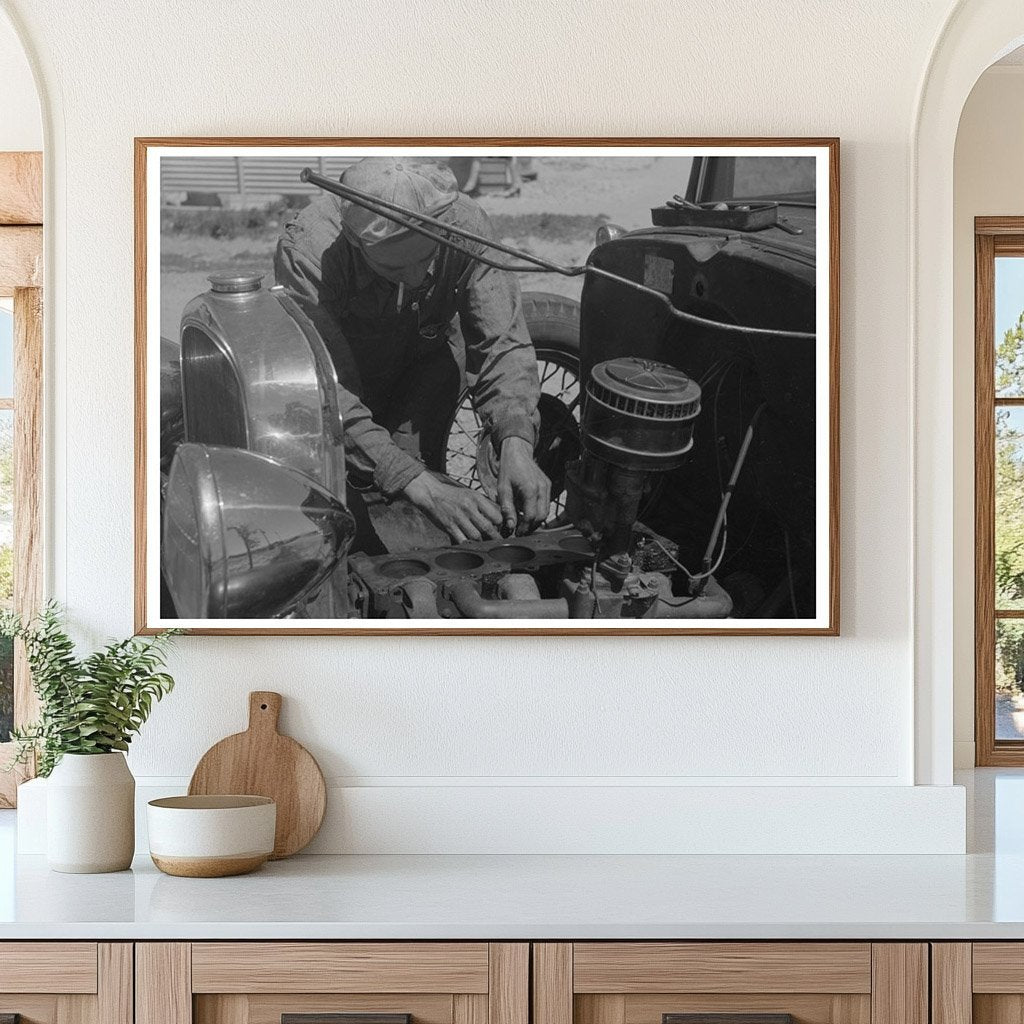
x,y
262,762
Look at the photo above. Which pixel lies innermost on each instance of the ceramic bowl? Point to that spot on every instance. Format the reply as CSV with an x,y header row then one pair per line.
x,y
211,836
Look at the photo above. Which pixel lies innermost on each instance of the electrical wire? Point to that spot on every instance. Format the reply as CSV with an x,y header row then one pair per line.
x,y
721,520
734,554
696,576
713,370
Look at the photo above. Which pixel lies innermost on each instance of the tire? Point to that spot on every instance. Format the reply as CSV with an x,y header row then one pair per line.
x,y
553,321
554,325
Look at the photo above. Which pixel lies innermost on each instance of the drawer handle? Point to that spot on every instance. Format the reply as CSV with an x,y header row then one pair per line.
x,y
727,1018
339,1018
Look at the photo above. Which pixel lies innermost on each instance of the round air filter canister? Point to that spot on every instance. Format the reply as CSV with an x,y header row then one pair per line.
x,y
639,414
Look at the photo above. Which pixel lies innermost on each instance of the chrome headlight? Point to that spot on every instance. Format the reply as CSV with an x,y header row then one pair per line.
x,y
608,233
244,536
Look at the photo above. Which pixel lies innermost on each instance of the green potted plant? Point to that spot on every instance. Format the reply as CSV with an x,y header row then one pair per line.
x,y
90,708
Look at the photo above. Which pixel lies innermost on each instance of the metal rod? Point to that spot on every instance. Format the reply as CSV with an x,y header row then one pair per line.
x,y
386,208
731,486
414,221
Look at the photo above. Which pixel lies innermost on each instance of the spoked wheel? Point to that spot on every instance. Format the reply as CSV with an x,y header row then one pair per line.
x,y
554,325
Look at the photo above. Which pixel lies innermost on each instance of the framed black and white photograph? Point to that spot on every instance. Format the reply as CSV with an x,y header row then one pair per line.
x,y
487,386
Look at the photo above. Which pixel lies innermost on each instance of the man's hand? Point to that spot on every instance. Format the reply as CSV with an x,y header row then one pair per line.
x,y
524,492
462,513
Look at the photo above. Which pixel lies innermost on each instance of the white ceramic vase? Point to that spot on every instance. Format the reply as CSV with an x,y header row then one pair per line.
x,y
90,814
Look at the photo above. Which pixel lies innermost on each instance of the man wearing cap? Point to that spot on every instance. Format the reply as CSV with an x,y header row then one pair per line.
x,y
403,318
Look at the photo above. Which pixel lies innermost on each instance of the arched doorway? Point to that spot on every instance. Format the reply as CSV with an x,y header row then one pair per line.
x,y
977,33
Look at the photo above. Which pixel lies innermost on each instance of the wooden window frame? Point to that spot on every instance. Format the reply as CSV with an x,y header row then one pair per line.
x,y
21,278
993,237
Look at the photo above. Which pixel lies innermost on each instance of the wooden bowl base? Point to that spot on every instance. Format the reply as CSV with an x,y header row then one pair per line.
x,y
209,867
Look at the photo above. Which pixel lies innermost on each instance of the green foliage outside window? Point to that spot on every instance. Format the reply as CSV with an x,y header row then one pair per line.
x,y
6,688
6,573
1009,510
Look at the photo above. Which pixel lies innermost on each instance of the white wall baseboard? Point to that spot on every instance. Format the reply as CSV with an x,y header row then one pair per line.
x,y
682,819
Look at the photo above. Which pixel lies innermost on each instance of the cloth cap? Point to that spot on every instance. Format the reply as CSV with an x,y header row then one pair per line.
x,y
423,187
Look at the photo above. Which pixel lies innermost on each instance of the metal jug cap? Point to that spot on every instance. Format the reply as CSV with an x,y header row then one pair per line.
x,y
235,283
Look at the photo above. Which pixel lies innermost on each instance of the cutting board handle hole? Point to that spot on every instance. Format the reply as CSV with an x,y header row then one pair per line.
x,y
263,707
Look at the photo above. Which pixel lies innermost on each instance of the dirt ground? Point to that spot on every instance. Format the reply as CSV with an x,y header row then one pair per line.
x,y
1009,716
555,215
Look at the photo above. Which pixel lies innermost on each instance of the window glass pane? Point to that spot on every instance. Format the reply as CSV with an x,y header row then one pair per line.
x,y
6,567
1009,508
1009,679
1009,324
773,175
6,351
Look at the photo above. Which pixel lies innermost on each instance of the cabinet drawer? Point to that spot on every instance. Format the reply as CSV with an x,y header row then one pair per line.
x,y
998,968
66,967
340,967
749,967
730,983
332,983
66,982
642,982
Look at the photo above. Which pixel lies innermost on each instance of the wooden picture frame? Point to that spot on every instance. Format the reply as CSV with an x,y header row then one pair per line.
x,y
152,154
21,279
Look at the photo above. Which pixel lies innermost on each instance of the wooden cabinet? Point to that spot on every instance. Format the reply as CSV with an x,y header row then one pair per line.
x,y
263,982
66,982
494,983
760,982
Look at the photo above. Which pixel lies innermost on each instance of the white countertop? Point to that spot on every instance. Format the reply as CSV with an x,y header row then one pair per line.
x,y
495,897
980,895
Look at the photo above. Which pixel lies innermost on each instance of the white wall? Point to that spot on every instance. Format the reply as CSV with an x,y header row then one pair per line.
x,y
21,127
435,712
988,181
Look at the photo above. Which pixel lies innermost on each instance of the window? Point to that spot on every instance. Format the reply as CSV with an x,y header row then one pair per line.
x,y
6,510
777,175
20,431
999,490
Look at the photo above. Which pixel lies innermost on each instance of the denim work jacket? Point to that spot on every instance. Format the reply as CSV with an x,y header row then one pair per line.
x,y
373,339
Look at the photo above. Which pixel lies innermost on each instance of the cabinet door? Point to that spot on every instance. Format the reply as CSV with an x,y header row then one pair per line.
x,y
332,983
66,982
730,983
981,982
